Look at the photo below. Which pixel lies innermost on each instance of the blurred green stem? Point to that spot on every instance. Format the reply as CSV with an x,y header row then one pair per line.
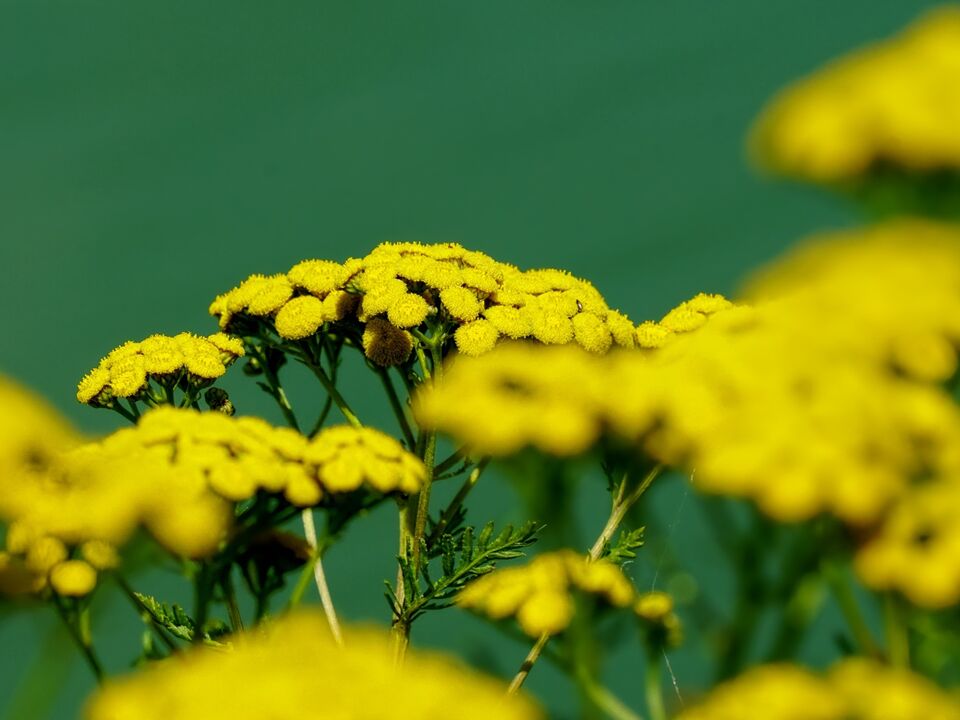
x,y
847,601
896,632
78,625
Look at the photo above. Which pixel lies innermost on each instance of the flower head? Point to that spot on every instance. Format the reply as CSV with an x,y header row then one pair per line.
x,y
293,670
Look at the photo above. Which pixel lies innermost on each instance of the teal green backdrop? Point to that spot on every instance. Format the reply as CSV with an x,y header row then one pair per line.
x,y
152,154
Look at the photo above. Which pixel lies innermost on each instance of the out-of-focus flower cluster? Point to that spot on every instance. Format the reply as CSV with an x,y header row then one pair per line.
x,y
127,370
825,395
854,689
895,103
177,473
540,594
399,288
293,669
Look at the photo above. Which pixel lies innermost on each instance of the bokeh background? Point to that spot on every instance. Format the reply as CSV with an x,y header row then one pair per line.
x,y
154,154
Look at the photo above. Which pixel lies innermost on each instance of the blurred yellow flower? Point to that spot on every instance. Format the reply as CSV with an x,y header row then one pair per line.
x,y
854,689
895,103
293,670
539,594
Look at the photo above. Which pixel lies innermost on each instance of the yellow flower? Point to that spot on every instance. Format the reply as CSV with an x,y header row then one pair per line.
x,y
300,317
73,578
408,310
293,669
127,370
473,298
519,395
128,376
894,103
461,302
854,689
476,338
539,594
346,458
319,277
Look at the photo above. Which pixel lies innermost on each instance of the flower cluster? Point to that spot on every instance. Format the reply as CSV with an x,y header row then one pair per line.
x,y
126,371
521,395
847,345
854,689
895,103
540,594
685,317
402,288
293,669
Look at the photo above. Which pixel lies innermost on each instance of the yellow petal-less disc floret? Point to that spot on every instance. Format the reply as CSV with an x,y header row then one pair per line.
x,y
539,594
293,670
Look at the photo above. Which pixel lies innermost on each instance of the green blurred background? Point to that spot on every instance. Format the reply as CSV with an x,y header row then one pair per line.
x,y
153,154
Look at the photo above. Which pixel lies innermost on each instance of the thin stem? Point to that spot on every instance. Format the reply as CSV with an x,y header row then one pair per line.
x,y
80,633
398,409
896,632
118,408
602,698
335,395
527,665
850,608
201,605
622,503
233,610
451,510
310,532
451,460
144,613
653,685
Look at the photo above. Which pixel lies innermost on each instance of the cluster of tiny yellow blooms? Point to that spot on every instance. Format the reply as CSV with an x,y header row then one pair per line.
x,y
397,287
826,395
854,689
235,457
126,370
895,103
292,670
177,473
685,317
539,594
32,437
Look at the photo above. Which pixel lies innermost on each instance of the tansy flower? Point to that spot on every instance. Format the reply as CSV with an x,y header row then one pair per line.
x,y
539,594
293,670
465,298
517,396
346,458
126,371
854,689
892,104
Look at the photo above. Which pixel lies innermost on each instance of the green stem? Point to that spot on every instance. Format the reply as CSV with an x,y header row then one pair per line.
x,y
622,503
335,395
118,408
605,700
202,590
451,510
326,600
850,608
397,407
896,632
236,619
78,625
144,614
456,456
653,685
